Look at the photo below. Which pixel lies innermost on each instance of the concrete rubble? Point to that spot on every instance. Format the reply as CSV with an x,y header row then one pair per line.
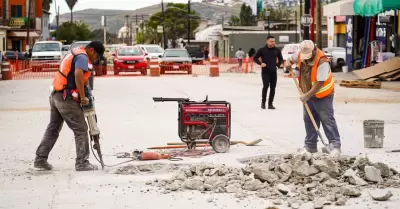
x,y
290,180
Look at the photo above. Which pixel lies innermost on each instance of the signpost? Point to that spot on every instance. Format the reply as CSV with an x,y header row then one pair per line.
x,y
267,13
159,29
104,24
306,20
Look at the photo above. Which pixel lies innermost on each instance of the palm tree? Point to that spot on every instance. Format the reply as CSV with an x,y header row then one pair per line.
x,y
71,4
46,4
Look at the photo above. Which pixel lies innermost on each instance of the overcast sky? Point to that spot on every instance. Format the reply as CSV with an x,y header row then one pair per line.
x,y
107,4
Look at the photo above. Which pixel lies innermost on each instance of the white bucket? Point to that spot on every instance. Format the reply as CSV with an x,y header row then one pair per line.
x,y
345,69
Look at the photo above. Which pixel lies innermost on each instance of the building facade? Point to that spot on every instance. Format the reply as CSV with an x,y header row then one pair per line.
x,y
14,14
45,25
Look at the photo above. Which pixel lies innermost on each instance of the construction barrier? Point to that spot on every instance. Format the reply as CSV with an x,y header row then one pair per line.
x,y
214,68
27,70
6,73
154,68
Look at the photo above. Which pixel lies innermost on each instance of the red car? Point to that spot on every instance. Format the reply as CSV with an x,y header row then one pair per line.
x,y
130,59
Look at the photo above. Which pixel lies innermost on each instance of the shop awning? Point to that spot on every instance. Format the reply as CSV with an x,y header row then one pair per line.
x,y
32,34
374,7
340,8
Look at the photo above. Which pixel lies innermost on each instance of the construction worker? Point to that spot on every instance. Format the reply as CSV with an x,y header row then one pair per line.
x,y
316,82
66,99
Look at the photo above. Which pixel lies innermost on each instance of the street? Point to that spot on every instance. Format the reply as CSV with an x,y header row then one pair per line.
x,y
129,119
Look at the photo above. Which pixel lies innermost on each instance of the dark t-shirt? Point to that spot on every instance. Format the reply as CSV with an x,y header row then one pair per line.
x,y
79,61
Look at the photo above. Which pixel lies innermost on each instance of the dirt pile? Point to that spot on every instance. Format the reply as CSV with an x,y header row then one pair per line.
x,y
293,179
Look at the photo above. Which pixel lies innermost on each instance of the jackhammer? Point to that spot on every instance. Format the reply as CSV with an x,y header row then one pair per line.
x,y
91,119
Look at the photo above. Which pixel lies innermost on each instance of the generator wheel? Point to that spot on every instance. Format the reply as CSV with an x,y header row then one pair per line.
x,y
220,143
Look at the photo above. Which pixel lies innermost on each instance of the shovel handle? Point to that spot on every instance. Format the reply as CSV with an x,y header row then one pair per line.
x,y
308,108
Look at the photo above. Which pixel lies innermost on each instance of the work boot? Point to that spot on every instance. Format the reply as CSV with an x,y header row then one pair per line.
x,y
86,166
309,149
263,105
42,164
271,107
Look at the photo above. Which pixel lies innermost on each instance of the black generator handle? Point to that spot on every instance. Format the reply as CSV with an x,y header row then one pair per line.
x,y
161,99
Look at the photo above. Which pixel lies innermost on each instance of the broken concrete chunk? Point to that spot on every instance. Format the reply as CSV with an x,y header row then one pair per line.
x,y
319,203
350,172
380,194
331,183
261,171
383,168
355,180
351,191
234,188
264,193
283,188
174,186
302,168
372,174
328,166
361,161
341,201
193,184
252,185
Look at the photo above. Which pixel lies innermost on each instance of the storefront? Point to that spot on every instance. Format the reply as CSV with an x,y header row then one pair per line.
x,y
17,35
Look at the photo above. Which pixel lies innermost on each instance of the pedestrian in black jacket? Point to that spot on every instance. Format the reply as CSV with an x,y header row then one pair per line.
x,y
271,58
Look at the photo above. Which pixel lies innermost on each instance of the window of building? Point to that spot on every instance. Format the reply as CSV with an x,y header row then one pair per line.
x,y
16,10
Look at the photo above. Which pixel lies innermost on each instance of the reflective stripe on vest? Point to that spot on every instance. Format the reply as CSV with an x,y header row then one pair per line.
x,y
329,84
60,79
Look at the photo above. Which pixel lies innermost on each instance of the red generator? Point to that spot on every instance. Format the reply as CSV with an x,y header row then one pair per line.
x,y
204,122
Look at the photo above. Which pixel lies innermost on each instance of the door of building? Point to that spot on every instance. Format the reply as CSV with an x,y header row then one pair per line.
x,y
16,45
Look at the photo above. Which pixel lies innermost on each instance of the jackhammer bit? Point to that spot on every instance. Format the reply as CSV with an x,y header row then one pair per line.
x,y
94,132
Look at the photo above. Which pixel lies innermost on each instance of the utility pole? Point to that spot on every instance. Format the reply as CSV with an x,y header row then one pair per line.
x,y
137,29
28,24
295,20
312,31
163,19
188,19
318,25
305,28
301,14
128,28
141,27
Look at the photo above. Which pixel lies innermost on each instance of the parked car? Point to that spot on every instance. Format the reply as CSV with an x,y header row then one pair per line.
x,y
46,54
337,55
130,59
175,60
65,50
153,51
288,50
196,53
11,55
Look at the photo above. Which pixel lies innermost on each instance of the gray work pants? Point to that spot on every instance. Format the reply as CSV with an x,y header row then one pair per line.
x,y
322,110
71,112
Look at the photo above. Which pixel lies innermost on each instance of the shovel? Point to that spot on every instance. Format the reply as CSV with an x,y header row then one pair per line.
x,y
325,149
252,143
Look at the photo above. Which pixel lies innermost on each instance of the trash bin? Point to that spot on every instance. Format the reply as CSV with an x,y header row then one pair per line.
x,y
373,133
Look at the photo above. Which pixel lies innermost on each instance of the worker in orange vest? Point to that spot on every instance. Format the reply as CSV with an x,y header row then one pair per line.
x,y
316,82
66,99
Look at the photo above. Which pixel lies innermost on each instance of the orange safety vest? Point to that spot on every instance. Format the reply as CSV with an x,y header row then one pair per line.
x,y
329,84
60,80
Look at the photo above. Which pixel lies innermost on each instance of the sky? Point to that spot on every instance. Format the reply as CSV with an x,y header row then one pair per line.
x,y
107,4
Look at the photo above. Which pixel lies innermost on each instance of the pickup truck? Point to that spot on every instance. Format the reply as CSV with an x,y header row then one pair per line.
x,y
337,55
46,54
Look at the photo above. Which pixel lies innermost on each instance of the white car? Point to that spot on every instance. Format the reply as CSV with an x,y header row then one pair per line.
x,y
153,50
288,50
337,55
46,54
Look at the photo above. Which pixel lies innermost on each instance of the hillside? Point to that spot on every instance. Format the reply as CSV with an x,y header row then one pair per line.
x,y
116,18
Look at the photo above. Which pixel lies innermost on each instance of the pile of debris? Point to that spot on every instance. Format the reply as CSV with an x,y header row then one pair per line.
x,y
292,179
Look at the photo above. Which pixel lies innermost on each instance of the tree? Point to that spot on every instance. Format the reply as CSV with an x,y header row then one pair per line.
x,y
234,21
46,4
246,16
74,31
176,24
98,34
71,5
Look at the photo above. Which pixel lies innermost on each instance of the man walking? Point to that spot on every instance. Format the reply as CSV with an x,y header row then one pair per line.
x,y
316,82
65,105
240,55
268,54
